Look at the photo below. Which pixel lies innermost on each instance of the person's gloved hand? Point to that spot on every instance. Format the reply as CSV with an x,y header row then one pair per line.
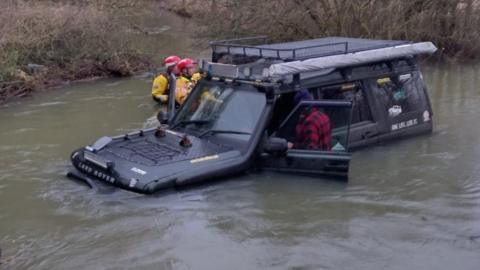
x,y
163,98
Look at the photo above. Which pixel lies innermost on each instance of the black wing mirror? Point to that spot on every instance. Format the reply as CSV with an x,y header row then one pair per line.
x,y
275,145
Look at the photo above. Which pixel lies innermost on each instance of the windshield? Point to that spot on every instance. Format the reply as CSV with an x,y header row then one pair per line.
x,y
216,107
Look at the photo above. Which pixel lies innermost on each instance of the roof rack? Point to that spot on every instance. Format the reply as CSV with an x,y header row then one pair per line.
x,y
239,41
299,50
266,62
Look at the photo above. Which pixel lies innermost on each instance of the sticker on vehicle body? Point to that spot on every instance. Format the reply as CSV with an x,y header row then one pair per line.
x,y
404,77
139,171
404,124
426,116
338,147
206,158
133,182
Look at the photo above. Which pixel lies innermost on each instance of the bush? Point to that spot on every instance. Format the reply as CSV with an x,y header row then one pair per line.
x,y
44,42
63,36
453,25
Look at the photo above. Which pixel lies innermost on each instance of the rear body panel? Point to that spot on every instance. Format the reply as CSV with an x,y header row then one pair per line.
x,y
415,119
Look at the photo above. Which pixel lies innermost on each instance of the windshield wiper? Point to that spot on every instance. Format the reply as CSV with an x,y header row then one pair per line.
x,y
216,131
188,122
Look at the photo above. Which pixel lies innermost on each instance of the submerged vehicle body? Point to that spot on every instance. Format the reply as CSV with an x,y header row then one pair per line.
x,y
242,115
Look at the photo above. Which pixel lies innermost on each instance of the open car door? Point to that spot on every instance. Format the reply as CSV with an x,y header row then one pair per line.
x,y
323,153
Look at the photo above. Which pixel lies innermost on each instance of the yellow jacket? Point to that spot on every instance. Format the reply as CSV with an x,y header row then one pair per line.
x,y
195,78
182,89
160,88
184,86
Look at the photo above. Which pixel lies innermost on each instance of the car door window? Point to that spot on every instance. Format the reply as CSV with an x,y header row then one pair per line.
x,y
400,93
353,92
318,126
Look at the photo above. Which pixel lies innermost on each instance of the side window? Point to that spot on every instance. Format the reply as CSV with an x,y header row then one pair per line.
x,y
399,93
353,92
317,126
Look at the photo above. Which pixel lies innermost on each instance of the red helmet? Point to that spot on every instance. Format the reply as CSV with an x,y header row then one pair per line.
x,y
185,63
171,61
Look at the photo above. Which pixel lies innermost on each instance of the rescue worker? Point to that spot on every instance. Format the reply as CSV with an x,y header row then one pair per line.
x,y
189,76
313,130
160,88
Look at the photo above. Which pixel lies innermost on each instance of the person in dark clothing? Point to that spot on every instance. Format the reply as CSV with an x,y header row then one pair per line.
x,y
313,130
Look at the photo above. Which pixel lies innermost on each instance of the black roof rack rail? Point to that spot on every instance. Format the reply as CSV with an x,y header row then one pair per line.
x,y
238,41
299,50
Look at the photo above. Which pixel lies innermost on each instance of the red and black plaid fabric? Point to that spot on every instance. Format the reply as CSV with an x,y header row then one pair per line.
x,y
313,131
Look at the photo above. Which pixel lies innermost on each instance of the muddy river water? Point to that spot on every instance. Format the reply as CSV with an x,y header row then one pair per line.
x,y
410,204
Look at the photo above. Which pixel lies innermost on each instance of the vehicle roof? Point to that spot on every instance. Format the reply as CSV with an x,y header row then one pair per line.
x,y
286,61
298,50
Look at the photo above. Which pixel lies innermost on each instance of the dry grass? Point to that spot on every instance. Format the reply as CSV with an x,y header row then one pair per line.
x,y
77,39
73,41
453,25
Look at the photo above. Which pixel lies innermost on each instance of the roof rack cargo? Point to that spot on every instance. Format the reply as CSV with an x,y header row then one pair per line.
x,y
297,50
274,61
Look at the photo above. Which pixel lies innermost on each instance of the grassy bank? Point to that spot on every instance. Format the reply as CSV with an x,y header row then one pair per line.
x,y
46,42
43,43
453,25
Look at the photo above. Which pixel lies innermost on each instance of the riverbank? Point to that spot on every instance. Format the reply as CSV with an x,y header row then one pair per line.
x,y
450,24
46,44
39,77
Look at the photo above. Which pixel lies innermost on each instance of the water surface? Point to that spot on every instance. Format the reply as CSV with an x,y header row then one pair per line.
x,y
411,204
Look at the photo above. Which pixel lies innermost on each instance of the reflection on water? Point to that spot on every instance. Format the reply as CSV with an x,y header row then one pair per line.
x,y
409,204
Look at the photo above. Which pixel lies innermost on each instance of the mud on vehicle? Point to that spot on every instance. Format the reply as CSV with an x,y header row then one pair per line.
x,y
242,114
